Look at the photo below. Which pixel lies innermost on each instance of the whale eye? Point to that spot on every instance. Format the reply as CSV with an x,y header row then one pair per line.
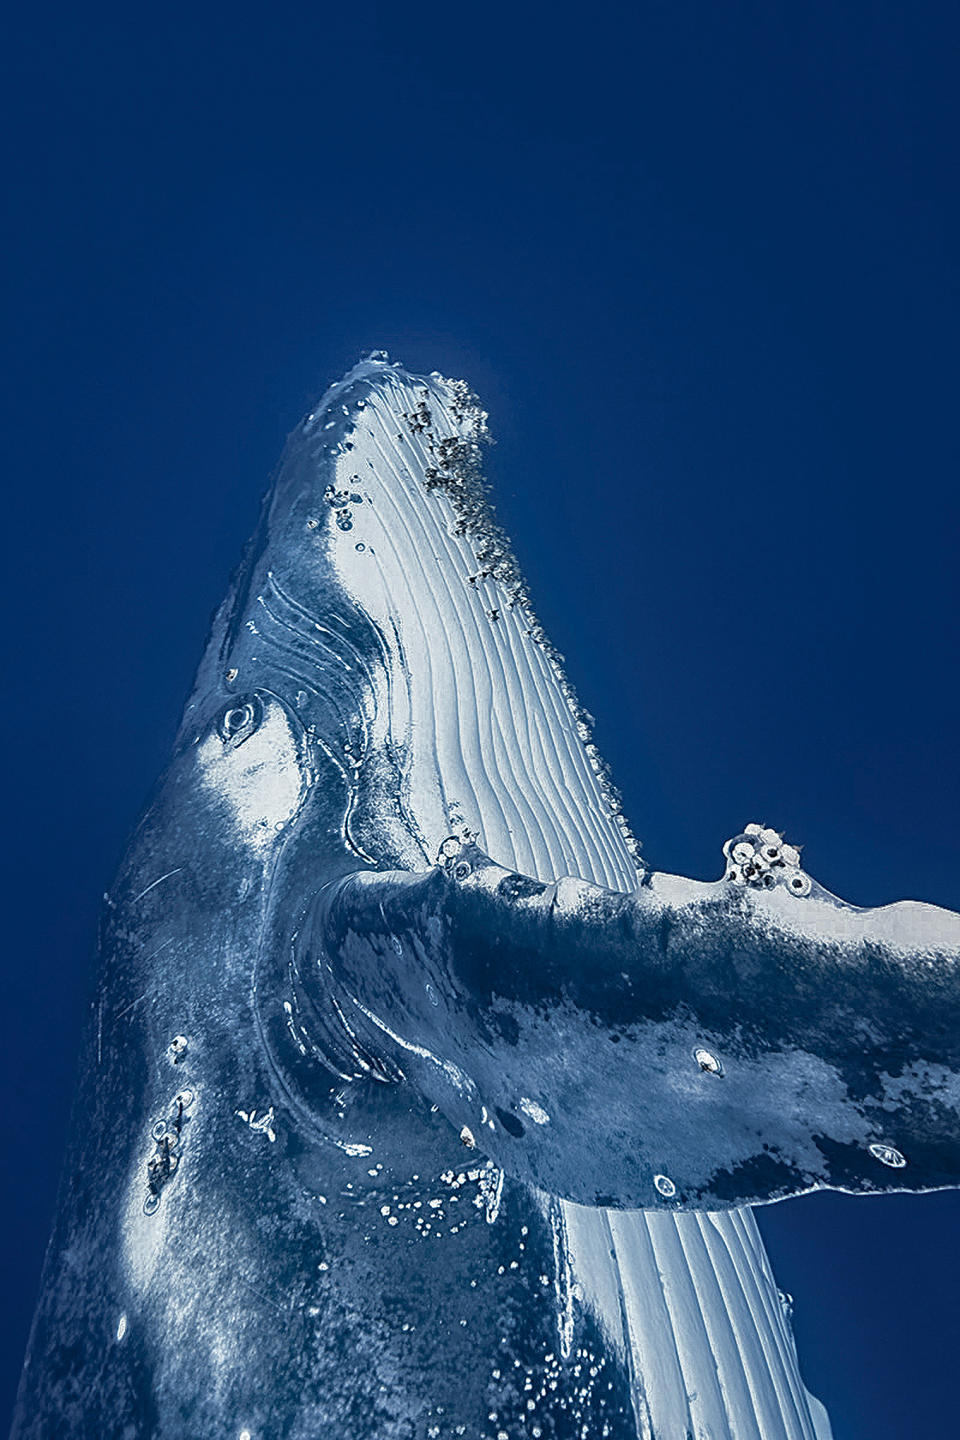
x,y
239,720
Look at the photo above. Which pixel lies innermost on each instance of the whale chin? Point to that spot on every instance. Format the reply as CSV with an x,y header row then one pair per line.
x,y
494,742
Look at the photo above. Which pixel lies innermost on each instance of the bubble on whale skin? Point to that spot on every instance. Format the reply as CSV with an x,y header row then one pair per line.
x,y
665,1186
121,1327
888,1155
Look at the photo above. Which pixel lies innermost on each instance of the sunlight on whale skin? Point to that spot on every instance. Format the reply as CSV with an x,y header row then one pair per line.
x,y
369,1094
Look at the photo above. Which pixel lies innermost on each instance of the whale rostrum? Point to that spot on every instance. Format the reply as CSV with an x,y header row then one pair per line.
x,y
414,1104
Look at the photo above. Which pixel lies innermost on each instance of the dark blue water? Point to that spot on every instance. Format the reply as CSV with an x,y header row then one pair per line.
x,y
701,262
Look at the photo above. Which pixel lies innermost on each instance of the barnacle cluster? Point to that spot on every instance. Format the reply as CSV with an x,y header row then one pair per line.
x,y
340,502
761,858
167,1134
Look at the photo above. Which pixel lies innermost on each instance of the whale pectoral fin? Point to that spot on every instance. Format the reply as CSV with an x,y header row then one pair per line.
x,y
690,1045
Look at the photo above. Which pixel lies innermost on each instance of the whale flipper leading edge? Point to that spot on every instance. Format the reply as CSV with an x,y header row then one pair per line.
x,y
360,1137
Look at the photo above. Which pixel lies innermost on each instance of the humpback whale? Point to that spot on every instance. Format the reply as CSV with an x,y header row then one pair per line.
x,y
413,1102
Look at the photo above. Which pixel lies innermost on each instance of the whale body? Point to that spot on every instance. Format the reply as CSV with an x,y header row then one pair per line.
x,y
384,1128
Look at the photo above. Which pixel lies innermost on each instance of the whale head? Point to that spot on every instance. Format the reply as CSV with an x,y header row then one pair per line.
x,y
381,606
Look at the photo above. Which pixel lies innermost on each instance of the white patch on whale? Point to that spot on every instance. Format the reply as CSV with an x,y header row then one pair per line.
x,y
535,1112
260,780
144,1236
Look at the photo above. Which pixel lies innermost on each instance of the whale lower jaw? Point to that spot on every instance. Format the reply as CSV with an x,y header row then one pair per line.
x,y
492,737
492,741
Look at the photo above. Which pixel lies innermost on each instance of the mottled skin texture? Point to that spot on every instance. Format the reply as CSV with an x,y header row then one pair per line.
x,y
286,1216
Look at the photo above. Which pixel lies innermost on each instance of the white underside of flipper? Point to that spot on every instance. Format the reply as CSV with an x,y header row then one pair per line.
x,y
479,707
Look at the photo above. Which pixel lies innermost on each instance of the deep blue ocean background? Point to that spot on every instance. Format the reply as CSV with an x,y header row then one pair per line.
x,y
701,261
